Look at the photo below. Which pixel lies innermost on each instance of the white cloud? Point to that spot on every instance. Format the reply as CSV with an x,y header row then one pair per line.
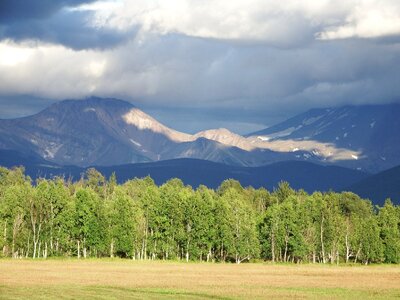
x,y
269,21
49,70
12,54
368,19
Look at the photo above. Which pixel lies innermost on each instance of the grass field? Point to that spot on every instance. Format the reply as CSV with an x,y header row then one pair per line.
x,y
124,279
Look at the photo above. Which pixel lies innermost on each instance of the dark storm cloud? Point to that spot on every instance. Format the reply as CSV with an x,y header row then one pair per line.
x,y
67,28
49,21
12,11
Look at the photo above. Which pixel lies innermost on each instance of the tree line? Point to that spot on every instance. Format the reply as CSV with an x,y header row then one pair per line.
x,y
96,217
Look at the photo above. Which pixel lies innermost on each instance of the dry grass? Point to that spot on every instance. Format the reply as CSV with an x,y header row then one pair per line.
x,y
122,279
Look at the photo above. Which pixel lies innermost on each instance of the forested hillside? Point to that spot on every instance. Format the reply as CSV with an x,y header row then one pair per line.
x,y
96,217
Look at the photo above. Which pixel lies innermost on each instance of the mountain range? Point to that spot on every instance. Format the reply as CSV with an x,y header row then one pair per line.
x,y
108,132
333,148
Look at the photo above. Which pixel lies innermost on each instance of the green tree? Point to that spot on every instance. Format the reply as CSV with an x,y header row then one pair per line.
x,y
389,222
124,216
89,223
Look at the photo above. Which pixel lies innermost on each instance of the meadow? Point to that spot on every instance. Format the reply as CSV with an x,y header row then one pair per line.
x,y
128,279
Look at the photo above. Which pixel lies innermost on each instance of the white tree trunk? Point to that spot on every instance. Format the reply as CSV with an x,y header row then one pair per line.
x,y
28,245
5,238
322,240
38,251
273,246
45,250
34,246
347,248
111,248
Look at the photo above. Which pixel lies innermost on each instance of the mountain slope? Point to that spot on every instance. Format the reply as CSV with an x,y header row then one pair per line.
x,y
72,132
370,131
301,175
379,187
12,158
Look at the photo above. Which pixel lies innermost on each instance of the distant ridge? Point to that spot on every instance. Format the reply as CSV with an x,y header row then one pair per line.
x,y
379,187
301,175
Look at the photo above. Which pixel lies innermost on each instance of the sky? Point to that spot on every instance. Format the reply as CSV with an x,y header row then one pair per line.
x,y
200,64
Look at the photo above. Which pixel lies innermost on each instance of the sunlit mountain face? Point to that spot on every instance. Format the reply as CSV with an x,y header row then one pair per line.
x,y
368,134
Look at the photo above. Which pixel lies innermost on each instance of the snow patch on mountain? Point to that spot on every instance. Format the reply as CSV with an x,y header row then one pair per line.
x,y
310,121
135,143
51,150
263,138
